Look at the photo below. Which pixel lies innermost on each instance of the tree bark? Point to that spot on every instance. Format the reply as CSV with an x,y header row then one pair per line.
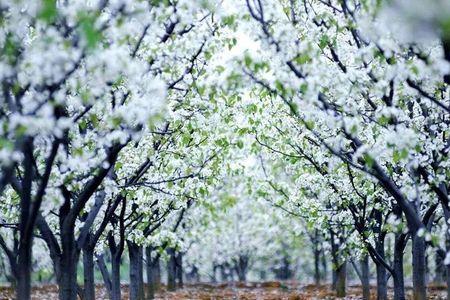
x,y
105,274
448,282
136,286
439,266
418,264
153,273
88,272
365,277
179,269
115,277
316,265
241,267
324,266
67,280
23,291
381,270
171,270
341,276
334,259
398,276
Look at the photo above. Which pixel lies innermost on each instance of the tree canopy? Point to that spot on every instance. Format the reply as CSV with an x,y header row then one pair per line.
x,y
230,139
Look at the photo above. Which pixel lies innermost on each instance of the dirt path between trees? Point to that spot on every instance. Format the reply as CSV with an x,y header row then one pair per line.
x,y
241,291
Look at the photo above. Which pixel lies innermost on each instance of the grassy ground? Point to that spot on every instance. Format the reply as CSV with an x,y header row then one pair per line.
x,y
244,291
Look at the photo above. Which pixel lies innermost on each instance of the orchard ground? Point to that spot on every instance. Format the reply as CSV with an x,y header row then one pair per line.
x,y
270,290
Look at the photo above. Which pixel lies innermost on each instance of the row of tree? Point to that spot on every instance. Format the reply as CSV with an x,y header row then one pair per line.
x,y
120,118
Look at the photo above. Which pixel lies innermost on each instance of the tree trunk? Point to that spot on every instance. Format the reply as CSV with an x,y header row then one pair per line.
x,y
316,265
213,276
365,277
171,270
398,276
324,266
23,291
67,281
105,274
115,277
88,272
241,268
153,273
136,286
341,276
448,282
418,264
440,267
179,269
335,260
381,270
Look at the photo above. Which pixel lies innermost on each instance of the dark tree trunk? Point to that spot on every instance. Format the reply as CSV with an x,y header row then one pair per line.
x,y
418,264
365,277
399,285
223,273
341,278
105,274
440,267
67,281
316,265
448,282
23,291
241,267
381,270
136,271
324,266
171,270
88,272
334,259
115,277
213,273
179,269
446,46
153,273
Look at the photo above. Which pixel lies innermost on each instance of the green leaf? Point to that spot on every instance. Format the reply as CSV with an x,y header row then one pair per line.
x,y
368,160
399,155
48,11
323,41
247,61
310,124
89,31
303,59
186,138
